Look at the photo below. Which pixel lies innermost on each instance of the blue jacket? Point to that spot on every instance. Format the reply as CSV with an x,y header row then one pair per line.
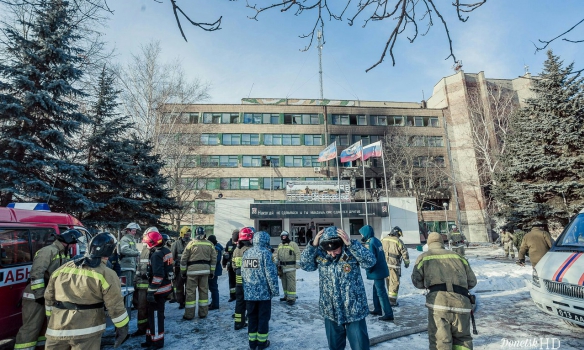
x,y
380,270
342,293
258,271
218,268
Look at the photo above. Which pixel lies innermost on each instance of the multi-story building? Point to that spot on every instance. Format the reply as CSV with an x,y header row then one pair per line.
x,y
252,149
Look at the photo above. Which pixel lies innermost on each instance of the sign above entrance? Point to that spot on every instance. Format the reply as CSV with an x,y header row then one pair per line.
x,y
317,191
315,210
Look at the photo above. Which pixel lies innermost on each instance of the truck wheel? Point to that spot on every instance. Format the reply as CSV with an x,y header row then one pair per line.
x,y
573,324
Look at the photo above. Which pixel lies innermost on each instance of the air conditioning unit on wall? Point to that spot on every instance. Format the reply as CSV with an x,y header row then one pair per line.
x,y
317,169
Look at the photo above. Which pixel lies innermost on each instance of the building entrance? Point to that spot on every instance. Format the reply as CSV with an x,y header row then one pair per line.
x,y
298,233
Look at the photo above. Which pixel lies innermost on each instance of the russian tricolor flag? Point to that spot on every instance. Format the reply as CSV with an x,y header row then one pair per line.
x,y
372,150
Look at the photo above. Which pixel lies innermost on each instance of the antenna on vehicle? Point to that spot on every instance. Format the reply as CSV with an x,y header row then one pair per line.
x,y
50,193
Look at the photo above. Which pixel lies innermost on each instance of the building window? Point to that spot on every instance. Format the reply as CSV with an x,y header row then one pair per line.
x,y
252,183
342,140
252,161
310,119
434,122
255,118
378,120
220,118
277,183
435,141
396,120
339,119
282,139
363,138
310,161
219,161
209,139
313,140
234,183
292,161
343,119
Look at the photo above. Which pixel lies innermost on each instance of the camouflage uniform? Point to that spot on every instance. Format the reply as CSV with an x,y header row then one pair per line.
x,y
260,278
343,301
448,277
239,292
537,243
287,260
507,240
75,300
45,262
395,251
197,263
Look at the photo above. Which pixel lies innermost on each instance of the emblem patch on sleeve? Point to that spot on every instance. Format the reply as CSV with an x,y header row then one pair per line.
x,y
347,268
251,263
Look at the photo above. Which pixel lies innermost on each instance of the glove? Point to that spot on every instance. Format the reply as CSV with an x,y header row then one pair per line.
x,y
521,262
121,335
211,276
150,297
406,265
280,273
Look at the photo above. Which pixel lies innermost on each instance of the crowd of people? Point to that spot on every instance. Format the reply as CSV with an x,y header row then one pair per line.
x,y
72,292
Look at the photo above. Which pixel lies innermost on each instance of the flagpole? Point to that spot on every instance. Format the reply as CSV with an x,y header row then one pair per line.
x,y
386,189
364,185
339,187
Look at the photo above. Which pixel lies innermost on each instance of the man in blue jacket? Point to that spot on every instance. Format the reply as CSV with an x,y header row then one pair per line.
x,y
343,301
260,285
377,273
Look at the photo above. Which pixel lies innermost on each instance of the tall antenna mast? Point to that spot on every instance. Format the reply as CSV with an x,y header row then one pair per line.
x,y
319,36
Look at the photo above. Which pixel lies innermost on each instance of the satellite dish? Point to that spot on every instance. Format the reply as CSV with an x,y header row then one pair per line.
x,y
220,195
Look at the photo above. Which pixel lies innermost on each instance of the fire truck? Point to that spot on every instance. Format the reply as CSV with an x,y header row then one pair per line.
x,y
24,229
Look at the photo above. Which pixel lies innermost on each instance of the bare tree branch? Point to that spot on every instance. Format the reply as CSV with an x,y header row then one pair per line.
x,y
547,42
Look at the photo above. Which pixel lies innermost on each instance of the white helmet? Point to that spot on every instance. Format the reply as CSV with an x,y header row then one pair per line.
x,y
133,225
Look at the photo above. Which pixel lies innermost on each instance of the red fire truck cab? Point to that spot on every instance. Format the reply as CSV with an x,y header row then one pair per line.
x,y
22,233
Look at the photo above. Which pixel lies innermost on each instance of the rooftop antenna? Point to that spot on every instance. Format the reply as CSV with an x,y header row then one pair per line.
x,y
319,36
457,66
526,67
250,90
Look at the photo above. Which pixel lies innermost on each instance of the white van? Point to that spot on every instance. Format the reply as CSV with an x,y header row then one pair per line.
x,y
558,278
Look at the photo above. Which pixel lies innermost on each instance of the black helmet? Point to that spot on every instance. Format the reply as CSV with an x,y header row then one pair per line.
x,y
396,231
69,236
165,238
330,244
102,245
200,232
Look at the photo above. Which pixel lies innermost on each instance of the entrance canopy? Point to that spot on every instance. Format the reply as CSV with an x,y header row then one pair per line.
x,y
315,210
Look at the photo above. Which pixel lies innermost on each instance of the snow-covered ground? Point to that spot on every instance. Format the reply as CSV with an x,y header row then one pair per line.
x,y
504,311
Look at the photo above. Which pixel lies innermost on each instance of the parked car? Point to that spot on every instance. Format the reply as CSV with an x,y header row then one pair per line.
x,y
558,278
22,233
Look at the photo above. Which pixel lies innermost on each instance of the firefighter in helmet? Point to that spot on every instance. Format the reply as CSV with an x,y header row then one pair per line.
x,y
76,295
287,261
243,244
197,264
45,262
129,253
395,252
177,249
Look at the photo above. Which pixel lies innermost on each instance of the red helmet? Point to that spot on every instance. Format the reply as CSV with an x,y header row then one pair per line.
x,y
246,233
152,238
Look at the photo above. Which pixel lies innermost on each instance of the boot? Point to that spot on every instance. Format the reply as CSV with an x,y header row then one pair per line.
x,y
146,344
181,306
393,302
231,298
386,318
376,313
283,299
290,301
263,346
213,307
240,326
138,333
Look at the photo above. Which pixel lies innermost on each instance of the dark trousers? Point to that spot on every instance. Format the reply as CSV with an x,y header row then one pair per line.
x,y
214,289
258,316
155,331
179,286
380,299
239,306
231,274
337,335
142,306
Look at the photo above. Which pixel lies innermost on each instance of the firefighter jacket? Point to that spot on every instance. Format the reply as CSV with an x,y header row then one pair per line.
x,y
141,281
395,251
507,237
128,253
75,300
537,243
218,268
288,256
177,248
457,238
236,260
342,293
45,262
228,254
199,258
160,272
439,267
378,271
258,271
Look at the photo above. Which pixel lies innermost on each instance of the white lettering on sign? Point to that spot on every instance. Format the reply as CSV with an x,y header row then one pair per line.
x,y
251,263
14,275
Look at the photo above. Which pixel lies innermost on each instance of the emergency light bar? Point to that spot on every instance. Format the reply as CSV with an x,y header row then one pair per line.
x,y
30,206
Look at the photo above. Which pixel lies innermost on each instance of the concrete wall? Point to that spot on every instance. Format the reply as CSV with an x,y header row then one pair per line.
x,y
231,214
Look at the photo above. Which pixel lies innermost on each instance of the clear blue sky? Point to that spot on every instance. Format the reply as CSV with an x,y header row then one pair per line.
x,y
497,39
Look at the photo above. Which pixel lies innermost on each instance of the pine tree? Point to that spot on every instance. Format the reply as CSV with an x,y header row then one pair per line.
x,y
543,176
123,176
38,117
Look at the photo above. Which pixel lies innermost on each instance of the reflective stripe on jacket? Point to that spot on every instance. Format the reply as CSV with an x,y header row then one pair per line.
x,y
46,261
395,251
128,253
141,280
199,258
161,265
287,253
236,262
83,285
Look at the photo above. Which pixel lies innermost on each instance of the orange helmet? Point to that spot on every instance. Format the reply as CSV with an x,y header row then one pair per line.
x,y
246,233
152,238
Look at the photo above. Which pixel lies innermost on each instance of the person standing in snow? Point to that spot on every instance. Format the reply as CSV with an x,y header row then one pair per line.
x,y
448,277
226,262
507,240
395,250
536,243
213,287
243,243
343,301
378,273
260,284
287,260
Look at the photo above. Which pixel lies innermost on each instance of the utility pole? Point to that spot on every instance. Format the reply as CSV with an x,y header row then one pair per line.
x,y
326,133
